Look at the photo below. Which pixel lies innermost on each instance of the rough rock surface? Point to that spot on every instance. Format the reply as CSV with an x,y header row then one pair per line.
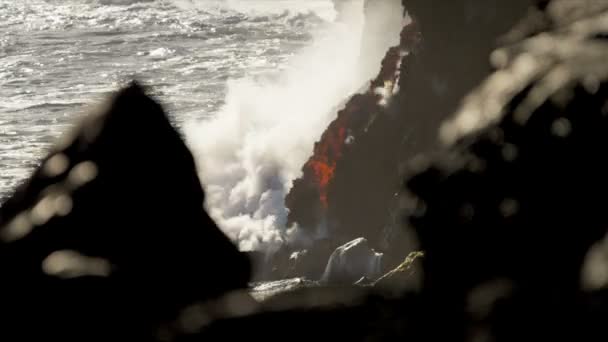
x,y
263,291
351,261
405,277
322,199
443,64
109,237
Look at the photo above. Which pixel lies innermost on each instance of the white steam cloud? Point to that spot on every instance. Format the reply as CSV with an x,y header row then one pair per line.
x,y
250,153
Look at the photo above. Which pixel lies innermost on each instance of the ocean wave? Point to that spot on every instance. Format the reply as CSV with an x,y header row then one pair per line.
x,y
116,16
122,2
68,52
41,105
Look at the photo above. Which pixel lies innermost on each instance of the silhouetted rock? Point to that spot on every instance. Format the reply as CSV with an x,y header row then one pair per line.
x,y
518,195
335,313
109,237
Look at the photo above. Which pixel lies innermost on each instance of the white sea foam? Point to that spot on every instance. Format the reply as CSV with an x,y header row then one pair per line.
x,y
56,55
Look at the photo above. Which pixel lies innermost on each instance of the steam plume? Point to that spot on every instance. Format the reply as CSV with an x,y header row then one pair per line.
x,y
250,153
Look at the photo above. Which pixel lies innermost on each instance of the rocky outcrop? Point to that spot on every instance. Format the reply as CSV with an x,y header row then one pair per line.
x,y
350,262
405,277
369,145
264,291
108,238
318,199
310,262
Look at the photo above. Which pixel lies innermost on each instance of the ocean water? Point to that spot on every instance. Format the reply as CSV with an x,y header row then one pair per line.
x,y
57,57
251,84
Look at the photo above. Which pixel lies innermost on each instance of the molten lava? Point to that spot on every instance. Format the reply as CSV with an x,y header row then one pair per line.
x,y
326,154
309,200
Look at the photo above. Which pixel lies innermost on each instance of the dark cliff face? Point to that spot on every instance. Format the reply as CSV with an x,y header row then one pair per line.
x,y
450,60
324,197
449,47
458,37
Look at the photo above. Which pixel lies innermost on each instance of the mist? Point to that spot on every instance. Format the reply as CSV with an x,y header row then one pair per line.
x,y
249,154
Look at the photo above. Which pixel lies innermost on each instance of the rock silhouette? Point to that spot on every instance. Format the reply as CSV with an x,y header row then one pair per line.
x,y
516,195
109,238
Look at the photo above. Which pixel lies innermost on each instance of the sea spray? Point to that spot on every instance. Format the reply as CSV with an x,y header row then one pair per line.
x,y
250,153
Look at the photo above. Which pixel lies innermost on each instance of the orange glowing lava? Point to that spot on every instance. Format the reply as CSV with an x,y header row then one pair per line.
x,y
320,169
326,155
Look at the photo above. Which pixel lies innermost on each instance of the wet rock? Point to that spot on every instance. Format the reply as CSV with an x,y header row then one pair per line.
x,y
364,281
405,277
310,263
293,262
263,291
350,262
109,237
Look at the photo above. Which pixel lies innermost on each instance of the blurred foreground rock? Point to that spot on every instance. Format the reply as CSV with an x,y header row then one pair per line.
x,y
518,197
108,238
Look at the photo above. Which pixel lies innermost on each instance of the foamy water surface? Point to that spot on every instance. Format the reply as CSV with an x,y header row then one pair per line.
x,y
59,56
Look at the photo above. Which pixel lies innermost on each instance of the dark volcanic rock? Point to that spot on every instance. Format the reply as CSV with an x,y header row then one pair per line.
x,y
321,201
332,313
290,262
322,198
442,67
109,237
518,194
444,63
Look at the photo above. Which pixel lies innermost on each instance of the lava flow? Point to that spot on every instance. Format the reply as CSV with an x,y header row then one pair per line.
x,y
325,157
309,199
